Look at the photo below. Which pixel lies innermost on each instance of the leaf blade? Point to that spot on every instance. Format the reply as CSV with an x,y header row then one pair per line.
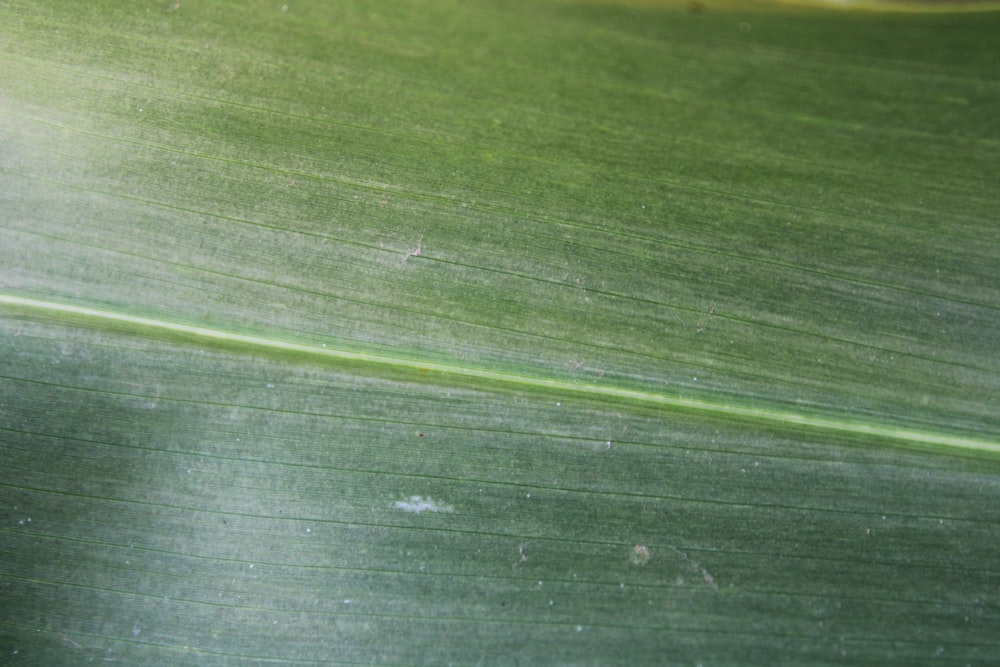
x,y
630,216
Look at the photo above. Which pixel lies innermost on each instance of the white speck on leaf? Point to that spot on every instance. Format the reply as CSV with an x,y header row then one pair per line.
x,y
640,555
419,504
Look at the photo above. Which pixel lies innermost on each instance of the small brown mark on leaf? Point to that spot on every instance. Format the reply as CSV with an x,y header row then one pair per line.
x,y
416,252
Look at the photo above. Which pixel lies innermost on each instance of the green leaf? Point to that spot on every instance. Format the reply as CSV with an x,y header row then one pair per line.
x,y
512,333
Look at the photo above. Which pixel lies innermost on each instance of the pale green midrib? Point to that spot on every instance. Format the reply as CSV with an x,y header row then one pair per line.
x,y
777,416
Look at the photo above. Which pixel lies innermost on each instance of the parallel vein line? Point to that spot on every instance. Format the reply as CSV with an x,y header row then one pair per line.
x,y
770,415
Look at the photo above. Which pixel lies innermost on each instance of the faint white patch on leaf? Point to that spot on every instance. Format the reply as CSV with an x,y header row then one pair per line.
x,y
640,555
418,504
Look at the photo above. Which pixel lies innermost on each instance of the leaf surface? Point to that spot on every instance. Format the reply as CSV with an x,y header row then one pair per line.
x,y
520,333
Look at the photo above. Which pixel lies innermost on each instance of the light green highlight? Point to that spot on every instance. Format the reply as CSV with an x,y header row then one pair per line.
x,y
782,417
